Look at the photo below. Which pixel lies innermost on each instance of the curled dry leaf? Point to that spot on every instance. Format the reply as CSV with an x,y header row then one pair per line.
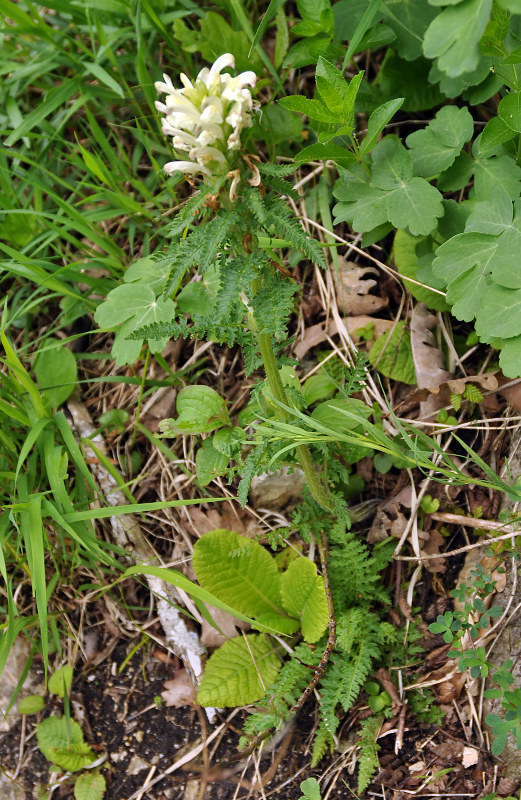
x,y
470,757
428,359
433,543
316,334
353,287
179,691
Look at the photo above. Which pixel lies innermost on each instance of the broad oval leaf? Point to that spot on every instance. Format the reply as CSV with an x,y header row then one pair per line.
x,y
56,372
209,463
61,742
391,354
239,571
61,680
31,704
304,596
90,786
239,672
345,413
200,409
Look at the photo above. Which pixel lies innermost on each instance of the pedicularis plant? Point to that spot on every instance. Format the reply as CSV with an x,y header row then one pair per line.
x,y
231,231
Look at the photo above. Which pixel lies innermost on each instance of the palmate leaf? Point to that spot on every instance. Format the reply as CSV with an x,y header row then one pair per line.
x,y
304,596
132,306
481,269
435,148
453,36
391,194
239,672
239,571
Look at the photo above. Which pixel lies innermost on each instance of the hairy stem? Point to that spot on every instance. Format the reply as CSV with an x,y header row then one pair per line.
x,y
319,492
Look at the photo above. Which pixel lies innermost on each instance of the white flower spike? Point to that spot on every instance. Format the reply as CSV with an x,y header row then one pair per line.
x,y
205,118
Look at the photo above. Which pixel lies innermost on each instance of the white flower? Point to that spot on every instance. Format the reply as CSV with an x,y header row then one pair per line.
x,y
205,117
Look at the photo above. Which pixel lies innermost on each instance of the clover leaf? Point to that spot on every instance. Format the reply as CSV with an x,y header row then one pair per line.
x,y
389,195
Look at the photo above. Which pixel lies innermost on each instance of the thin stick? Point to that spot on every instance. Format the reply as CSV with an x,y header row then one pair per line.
x,y
471,523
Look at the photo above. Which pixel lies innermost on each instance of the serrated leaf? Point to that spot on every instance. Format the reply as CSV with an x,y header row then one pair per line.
x,y
239,571
56,371
209,463
31,704
453,36
89,786
377,122
314,109
406,261
229,441
239,672
60,681
200,410
61,742
304,595
391,354
72,757
434,149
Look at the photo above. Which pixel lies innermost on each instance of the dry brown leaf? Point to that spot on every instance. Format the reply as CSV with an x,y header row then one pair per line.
x,y
352,289
432,546
179,691
512,394
316,334
470,757
428,359
228,624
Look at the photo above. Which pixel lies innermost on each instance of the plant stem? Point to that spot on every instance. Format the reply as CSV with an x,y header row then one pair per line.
x,y
319,492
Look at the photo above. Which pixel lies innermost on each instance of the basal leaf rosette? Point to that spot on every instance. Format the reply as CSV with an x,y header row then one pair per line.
x,y
205,120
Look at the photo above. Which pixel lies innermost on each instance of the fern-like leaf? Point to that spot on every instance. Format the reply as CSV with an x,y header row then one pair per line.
x,y
284,224
344,678
234,276
251,465
280,186
268,168
368,758
323,742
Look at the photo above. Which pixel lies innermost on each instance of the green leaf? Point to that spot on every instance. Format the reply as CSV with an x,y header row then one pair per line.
x,y
89,786
209,463
304,595
132,306
61,742
60,681
481,270
510,357
229,441
392,194
495,132
314,109
489,173
239,571
435,148
391,354
103,76
406,261
409,19
453,36
344,413
239,672
194,298
318,387
509,110
310,788
31,704
329,150
54,98
377,122
56,372
200,410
